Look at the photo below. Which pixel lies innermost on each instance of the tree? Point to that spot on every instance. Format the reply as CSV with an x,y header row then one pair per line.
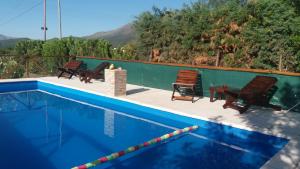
x,y
54,53
260,34
27,51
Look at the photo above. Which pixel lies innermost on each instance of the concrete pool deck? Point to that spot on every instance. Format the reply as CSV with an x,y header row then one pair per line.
x,y
278,123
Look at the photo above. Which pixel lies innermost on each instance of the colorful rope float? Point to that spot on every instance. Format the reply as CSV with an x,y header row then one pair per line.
x,y
135,148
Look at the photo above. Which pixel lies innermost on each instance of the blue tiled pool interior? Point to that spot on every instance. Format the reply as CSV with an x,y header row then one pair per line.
x,y
52,127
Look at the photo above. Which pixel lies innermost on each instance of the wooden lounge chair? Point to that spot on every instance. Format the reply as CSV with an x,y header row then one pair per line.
x,y
70,69
186,80
257,92
96,73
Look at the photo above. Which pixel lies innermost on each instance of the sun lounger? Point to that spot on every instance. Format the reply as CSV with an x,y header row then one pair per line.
x,y
70,69
257,92
96,73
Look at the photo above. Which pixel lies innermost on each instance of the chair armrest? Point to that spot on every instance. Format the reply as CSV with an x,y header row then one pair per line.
x,y
61,69
232,93
183,84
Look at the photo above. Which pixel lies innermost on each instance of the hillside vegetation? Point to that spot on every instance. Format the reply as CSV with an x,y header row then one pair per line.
x,y
10,43
41,57
117,37
263,34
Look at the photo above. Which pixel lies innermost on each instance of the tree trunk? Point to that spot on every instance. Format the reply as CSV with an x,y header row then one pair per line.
x,y
218,58
150,55
280,63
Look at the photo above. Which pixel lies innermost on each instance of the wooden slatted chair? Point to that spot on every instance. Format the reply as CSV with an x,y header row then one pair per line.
x,y
186,79
69,69
257,92
97,73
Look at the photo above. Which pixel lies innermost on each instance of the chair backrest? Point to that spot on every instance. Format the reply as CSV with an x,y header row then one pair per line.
x,y
101,67
259,85
187,77
73,65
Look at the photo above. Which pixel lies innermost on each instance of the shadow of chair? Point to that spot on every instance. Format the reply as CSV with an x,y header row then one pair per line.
x,y
135,91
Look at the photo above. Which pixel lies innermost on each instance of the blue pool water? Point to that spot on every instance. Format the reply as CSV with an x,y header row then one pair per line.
x,y
40,130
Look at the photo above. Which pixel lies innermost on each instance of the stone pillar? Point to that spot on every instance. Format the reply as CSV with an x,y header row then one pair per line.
x,y
116,80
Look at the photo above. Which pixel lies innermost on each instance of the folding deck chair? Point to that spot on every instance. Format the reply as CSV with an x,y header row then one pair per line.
x,y
186,80
70,69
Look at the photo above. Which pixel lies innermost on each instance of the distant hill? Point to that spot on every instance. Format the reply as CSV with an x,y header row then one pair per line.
x,y
9,43
3,37
118,36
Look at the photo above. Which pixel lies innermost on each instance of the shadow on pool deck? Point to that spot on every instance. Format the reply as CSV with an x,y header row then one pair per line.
x,y
134,91
283,122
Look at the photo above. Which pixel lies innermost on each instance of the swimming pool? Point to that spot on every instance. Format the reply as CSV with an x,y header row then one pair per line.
x,y
47,126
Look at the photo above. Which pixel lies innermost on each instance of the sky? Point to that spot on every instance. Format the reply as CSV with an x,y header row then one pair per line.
x,y
24,18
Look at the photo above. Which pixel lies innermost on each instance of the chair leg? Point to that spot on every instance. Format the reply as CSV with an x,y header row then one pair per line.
x,y
275,107
212,94
88,79
194,90
172,98
81,77
60,74
71,75
229,102
243,109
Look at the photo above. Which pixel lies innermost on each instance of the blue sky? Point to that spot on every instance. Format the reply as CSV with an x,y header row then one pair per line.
x,y
80,17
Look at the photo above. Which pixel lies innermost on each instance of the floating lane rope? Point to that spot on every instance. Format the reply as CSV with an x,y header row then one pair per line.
x,y
135,148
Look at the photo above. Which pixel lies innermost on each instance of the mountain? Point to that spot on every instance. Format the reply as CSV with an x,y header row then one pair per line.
x,y
118,36
9,43
3,37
